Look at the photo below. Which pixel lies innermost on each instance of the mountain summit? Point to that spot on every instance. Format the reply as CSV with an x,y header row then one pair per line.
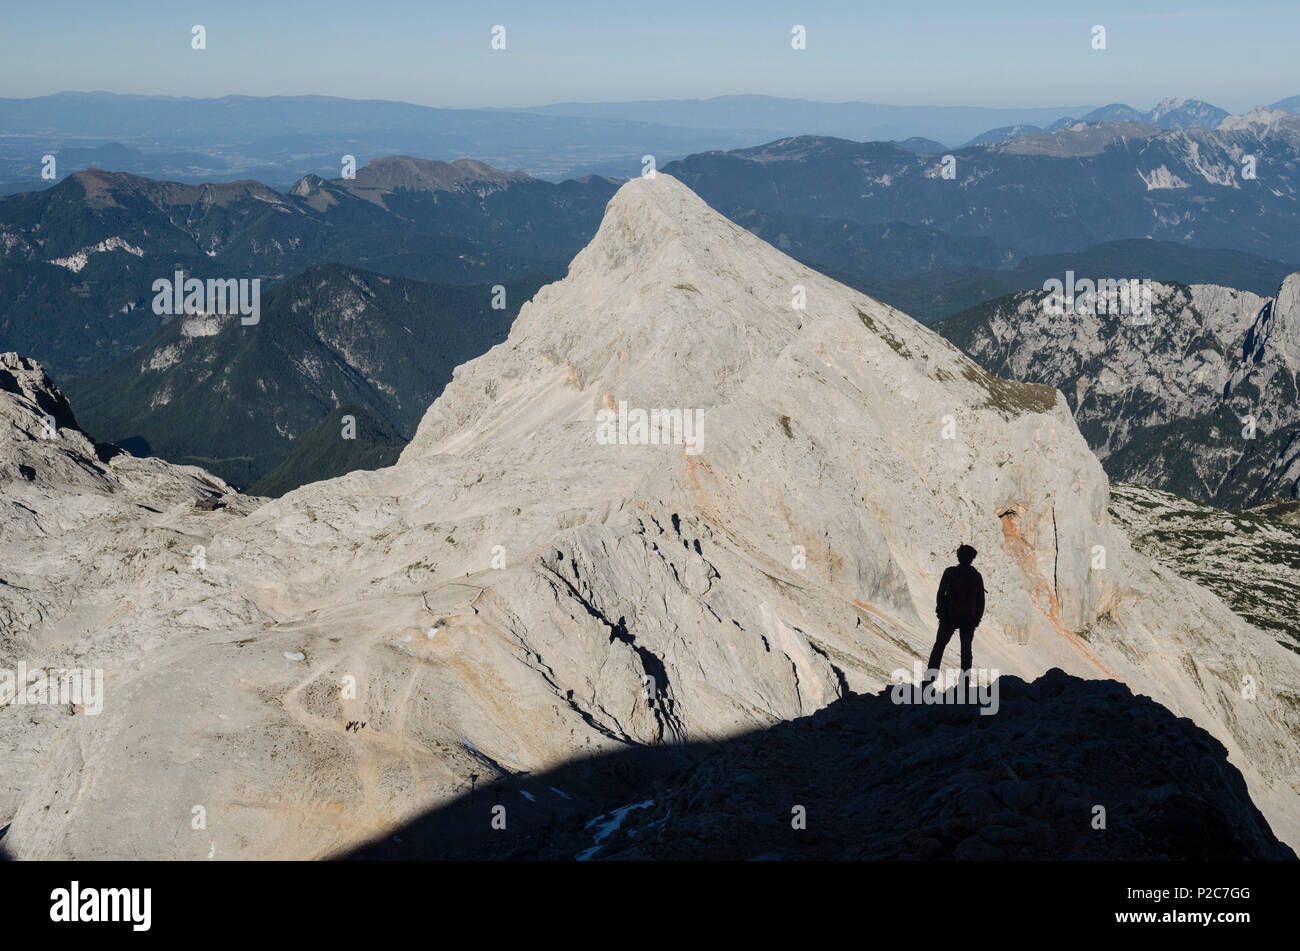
x,y
700,488
383,175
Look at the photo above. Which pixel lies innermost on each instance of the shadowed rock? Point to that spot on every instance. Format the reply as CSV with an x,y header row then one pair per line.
x,y
880,780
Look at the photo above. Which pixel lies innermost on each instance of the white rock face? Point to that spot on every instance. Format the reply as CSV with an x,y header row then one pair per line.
x,y
1257,119
1286,323
87,536
1163,399
1161,177
77,262
586,593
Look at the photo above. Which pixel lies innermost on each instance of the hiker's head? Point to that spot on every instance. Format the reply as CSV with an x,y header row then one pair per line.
x,y
966,554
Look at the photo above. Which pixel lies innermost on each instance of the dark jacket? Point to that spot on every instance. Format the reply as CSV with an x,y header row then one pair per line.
x,y
960,601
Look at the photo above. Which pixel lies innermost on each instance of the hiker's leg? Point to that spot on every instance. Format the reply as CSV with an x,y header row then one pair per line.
x,y
940,642
967,640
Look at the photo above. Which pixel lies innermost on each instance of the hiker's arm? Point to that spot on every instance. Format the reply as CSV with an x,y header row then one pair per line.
x,y
980,617
941,597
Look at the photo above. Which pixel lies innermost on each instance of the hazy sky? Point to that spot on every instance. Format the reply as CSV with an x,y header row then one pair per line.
x,y
990,52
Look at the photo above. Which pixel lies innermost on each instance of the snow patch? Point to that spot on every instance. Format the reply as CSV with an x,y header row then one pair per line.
x,y
609,826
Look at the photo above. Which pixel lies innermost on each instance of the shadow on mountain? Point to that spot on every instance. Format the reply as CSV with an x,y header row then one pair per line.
x,y
1064,769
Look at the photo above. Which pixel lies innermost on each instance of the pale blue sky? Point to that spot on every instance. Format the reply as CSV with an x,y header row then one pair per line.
x,y
994,53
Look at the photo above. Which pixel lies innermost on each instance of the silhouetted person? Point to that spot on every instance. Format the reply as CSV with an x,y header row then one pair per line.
x,y
960,607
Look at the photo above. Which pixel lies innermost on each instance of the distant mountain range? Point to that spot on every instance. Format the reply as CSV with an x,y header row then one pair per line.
x,y
779,117
78,261
1035,194
1169,113
921,145
279,139
1003,133
927,126
239,400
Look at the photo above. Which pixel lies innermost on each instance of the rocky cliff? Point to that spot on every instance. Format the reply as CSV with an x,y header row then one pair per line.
x,y
1196,397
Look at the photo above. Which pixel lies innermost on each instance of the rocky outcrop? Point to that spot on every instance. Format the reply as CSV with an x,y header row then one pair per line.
x,y
88,535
